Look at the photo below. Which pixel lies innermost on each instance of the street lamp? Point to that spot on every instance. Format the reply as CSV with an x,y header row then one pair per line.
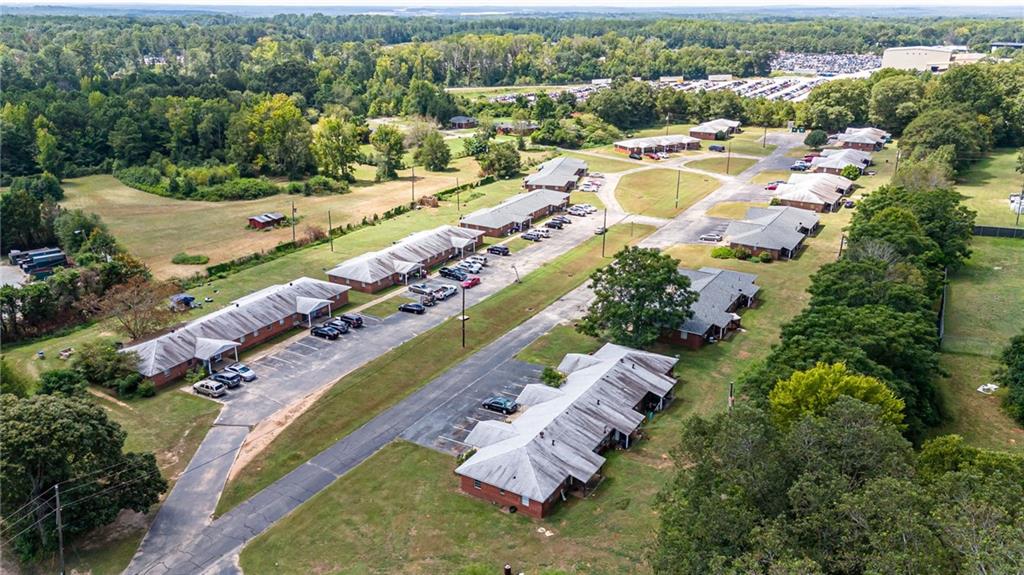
x,y
463,318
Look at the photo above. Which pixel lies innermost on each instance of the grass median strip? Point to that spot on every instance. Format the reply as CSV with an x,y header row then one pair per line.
x,y
383,382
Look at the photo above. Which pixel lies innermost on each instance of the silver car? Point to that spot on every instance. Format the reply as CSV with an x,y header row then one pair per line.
x,y
210,388
469,266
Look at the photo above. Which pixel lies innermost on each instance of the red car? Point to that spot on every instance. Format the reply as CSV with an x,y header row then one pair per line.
x,y
810,157
772,186
653,156
471,281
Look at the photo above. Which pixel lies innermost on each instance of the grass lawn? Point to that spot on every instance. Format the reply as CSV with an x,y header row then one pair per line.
x,y
387,307
603,165
578,197
550,348
653,192
732,210
358,397
403,511
770,176
307,262
154,228
987,185
718,165
983,312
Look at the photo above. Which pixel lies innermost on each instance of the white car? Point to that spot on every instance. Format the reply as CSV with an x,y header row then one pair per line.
x,y
587,208
482,260
711,238
471,267
542,232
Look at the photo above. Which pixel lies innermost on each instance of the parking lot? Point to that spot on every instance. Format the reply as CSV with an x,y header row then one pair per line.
x,y
445,427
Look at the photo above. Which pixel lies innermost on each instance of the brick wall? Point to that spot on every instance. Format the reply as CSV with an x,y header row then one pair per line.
x,y
490,493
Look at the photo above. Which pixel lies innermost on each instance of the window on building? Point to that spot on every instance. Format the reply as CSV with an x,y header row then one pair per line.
x,y
281,321
476,484
256,332
525,501
241,339
167,372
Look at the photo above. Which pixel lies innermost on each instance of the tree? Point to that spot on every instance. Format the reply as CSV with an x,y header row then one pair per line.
x,y
552,377
433,153
387,143
501,160
543,107
1011,376
100,362
812,391
43,188
17,157
850,172
48,153
51,439
139,306
637,298
73,229
22,225
895,101
66,382
940,127
850,95
271,135
816,139
13,381
335,148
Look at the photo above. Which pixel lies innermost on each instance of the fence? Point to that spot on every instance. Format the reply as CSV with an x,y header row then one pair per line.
x,y
998,232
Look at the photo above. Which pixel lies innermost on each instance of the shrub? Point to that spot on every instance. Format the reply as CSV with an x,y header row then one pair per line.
x,y
321,185
850,172
42,188
775,202
184,259
295,188
143,178
194,375
816,139
552,377
239,189
765,258
128,385
147,388
742,253
723,253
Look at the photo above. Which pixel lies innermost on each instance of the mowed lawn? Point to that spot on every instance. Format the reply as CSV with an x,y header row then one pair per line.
x,y
653,192
401,510
983,312
732,210
603,164
155,228
383,382
723,165
988,185
311,262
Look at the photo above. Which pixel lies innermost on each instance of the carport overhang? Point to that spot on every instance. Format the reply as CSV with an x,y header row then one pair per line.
x,y
308,306
209,348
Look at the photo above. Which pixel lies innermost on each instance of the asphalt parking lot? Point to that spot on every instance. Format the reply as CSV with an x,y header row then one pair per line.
x,y
446,426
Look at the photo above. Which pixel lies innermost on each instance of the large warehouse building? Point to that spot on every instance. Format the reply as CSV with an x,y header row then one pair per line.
x,y
928,58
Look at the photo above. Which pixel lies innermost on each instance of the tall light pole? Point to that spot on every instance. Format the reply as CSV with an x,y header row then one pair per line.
x,y
60,528
728,156
604,236
330,230
458,196
463,317
679,174
764,141
293,221
414,185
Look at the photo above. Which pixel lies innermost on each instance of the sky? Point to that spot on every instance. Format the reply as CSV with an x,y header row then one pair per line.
x,y
533,3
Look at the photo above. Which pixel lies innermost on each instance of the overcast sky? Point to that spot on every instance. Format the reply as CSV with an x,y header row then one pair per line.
x,y
626,4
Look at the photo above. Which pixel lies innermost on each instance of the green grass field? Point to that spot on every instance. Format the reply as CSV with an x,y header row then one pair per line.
x,y
606,165
770,176
381,383
732,210
988,185
653,192
983,312
723,165
403,511
388,306
310,262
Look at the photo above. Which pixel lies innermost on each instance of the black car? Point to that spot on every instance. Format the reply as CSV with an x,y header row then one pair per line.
x,y
325,332
498,250
553,225
452,274
338,324
232,380
716,148
561,219
352,320
412,308
501,405
635,156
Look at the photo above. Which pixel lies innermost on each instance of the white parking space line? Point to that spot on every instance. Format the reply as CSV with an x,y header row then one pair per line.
x,y
453,440
312,347
508,393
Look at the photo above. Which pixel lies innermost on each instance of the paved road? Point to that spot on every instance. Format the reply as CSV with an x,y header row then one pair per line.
x,y
305,364
207,550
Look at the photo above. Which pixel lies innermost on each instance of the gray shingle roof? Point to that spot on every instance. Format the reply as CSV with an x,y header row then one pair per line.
x,y
558,172
657,141
405,255
516,209
238,319
718,289
715,126
864,136
557,433
774,227
839,159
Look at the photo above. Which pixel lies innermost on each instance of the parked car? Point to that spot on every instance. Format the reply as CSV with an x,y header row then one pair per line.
x,y
338,324
596,175
799,167
415,308
716,148
587,208
599,231
209,388
452,274
482,260
542,232
420,289
771,187
663,155
501,405
711,237
324,332
561,220
428,300
352,320
553,225
531,237
849,204
577,212
635,156
653,156
444,292
499,250
471,281
810,157
242,370
228,378
470,267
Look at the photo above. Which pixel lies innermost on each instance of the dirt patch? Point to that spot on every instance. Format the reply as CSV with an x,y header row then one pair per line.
x,y
267,430
110,398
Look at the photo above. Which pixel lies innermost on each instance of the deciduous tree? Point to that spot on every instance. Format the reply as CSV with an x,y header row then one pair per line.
x,y
812,391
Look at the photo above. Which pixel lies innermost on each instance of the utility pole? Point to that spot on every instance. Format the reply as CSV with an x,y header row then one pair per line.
x,y
764,141
679,174
458,196
731,397
293,221
330,230
60,529
463,318
897,168
728,156
414,185
667,116
604,236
